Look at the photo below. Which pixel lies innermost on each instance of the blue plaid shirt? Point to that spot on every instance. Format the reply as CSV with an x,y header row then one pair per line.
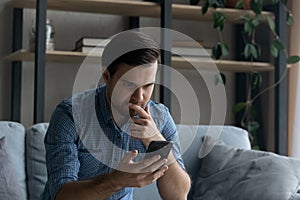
x,y
67,158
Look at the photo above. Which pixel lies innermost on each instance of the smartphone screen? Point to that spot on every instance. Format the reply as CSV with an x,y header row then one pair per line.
x,y
161,148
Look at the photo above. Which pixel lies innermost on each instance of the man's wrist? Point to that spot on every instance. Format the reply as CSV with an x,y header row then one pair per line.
x,y
110,181
156,137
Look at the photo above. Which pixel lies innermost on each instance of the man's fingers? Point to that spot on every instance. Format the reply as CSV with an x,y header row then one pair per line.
x,y
152,168
159,173
142,113
129,156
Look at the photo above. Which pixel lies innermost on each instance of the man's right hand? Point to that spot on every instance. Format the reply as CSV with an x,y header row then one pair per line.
x,y
138,174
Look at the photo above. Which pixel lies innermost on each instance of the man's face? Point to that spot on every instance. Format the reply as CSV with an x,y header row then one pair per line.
x,y
130,85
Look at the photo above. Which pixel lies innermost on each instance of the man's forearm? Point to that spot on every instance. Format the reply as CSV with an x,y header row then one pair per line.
x,y
175,184
101,187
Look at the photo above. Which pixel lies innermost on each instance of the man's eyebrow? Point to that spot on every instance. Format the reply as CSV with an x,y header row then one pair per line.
x,y
124,80
151,83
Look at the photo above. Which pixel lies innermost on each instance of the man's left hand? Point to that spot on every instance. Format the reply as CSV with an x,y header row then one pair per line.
x,y
144,127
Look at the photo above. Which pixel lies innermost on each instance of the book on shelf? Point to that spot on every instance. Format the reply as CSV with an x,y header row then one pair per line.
x,y
91,42
91,50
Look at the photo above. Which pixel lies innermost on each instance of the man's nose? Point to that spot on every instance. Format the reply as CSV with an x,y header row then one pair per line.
x,y
138,95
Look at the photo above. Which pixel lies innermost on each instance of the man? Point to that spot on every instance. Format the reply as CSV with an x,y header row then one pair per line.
x,y
96,156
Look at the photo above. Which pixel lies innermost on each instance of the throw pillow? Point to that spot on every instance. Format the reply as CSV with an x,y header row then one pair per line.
x,y
9,188
231,173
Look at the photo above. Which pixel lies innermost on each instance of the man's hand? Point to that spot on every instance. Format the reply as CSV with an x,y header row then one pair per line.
x,y
138,174
144,127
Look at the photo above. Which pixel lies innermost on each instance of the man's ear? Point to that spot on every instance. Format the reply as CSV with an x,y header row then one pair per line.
x,y
106,76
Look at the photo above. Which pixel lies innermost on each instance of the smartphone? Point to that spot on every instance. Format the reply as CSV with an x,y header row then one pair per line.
x,y
161,148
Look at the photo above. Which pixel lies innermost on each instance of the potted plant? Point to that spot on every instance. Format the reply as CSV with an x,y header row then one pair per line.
x,y
251,51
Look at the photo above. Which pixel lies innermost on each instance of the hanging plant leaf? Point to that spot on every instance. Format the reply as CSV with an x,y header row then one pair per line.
x,y
219,20
271,23
256,80
274,51
225,49
220,78
248,27
278,44
256,20
256,6
238,107
293,59
290,20
250,51
239,4
217,51
205,8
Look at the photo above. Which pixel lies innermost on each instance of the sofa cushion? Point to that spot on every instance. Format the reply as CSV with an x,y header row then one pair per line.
x,y
227,172
15,141
35,160
9,187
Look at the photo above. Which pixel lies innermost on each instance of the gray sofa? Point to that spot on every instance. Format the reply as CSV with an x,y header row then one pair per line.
x,y
26,151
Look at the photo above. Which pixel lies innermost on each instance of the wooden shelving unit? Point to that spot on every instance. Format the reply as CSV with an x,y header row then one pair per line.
x,y
134,8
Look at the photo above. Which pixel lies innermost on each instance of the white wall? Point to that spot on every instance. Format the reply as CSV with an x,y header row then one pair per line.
x,y
69,27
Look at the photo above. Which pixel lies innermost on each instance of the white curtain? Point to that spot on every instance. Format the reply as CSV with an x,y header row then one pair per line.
x,y
294,85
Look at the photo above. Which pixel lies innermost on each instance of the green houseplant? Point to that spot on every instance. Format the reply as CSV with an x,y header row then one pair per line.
x,y
251,52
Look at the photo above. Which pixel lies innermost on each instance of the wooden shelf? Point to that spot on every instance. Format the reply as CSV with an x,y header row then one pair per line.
x,y
177,62
134,8
52,56
223,65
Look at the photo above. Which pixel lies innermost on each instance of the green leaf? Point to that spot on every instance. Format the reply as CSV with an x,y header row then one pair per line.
x,y
275,1
248,27
256,80
274,51
220,78
217,51
293,59
205,8
251,51
271,23
256,20
239,4
219,20
238,107
278,44
224,49
290,20
256,6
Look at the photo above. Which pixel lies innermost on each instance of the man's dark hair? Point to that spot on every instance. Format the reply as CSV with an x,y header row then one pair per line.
x,y
132,48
